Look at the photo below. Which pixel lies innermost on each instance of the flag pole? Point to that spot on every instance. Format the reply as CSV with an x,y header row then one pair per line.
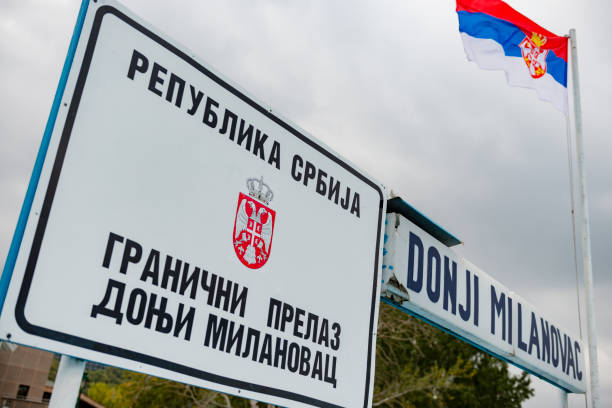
x,y
587,268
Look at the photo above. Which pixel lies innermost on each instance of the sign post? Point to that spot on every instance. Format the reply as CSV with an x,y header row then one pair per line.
x,y
67,382
182,229
563,398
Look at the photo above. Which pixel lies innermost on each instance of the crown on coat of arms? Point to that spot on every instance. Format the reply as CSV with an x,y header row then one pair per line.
x,y
538,40
259,190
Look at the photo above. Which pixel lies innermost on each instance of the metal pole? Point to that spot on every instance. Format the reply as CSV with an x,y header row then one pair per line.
x,y
67,382
563,398
587,268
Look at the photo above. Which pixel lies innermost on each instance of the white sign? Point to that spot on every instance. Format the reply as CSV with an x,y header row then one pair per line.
x,y
431,281
184,230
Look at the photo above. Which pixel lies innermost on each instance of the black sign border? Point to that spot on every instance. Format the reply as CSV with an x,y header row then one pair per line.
x,y
50,194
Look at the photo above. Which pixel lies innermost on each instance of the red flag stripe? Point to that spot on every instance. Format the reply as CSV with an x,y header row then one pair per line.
x,y
501,10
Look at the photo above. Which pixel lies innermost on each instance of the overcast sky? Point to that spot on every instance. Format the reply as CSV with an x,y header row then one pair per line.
x,y
388,86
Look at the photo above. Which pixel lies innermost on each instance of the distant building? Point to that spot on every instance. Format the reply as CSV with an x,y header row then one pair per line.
x,y
23,379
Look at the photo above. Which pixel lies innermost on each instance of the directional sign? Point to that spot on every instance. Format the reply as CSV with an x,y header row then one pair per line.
x,y
429,280
182,229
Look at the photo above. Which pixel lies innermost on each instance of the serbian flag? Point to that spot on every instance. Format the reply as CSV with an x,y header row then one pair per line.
x,y
497,37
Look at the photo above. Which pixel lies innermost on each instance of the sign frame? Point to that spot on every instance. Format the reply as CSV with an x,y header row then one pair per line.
x,y
101,10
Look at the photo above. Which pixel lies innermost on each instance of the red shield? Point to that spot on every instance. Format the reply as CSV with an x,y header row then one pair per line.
x,y
253,230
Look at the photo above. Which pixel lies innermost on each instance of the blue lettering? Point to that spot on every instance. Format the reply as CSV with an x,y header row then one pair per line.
x,y
498,306
577,351
450,285
433,291
476,305
533,336
465,312
522,345
415,283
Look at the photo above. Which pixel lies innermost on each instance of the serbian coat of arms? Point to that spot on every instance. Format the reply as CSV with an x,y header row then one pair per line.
x,y
254,224
534,55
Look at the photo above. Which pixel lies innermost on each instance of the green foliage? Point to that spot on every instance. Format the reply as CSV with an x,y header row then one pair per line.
x,y
54,367
416,366
109,375
109,395
134,390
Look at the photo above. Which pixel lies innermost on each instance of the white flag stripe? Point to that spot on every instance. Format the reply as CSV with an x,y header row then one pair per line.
x,y
489,54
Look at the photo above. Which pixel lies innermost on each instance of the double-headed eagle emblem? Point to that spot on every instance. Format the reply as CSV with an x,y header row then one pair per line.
x,y
254,224
534,55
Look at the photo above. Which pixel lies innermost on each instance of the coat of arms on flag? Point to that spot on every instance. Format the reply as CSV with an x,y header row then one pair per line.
x,y
254,224
534,55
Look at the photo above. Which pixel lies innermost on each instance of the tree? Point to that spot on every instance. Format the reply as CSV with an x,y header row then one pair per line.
x,y
136,390
417,365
